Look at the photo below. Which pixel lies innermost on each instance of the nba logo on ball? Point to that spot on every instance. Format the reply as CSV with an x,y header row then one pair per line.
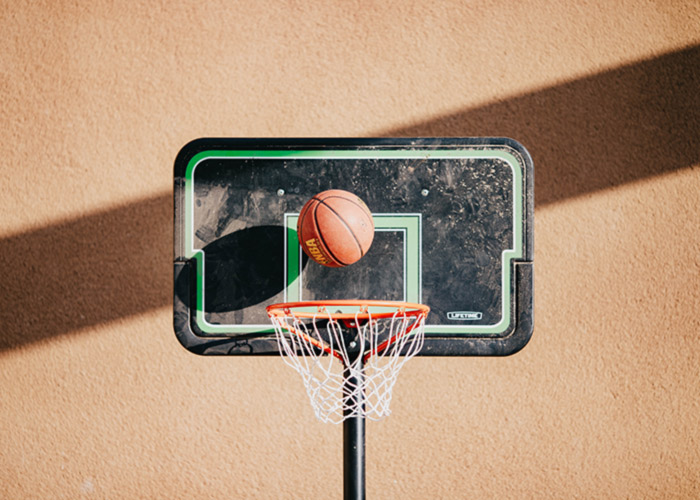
x,y
335,228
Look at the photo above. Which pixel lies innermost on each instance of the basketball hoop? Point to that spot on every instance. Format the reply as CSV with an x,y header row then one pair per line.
x,y
349,352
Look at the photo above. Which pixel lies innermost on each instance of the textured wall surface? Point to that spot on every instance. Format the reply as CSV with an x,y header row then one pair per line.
x,y
98,398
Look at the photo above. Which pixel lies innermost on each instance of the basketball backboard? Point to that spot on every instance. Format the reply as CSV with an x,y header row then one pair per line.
x,y
453,220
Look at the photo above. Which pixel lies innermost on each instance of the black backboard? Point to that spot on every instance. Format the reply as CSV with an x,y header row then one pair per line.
x,y
453,219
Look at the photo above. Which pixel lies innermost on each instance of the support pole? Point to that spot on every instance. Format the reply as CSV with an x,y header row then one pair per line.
x,y
354,444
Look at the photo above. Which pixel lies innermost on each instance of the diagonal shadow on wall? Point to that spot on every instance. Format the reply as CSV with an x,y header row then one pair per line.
x,y
87,271
596,132
604,130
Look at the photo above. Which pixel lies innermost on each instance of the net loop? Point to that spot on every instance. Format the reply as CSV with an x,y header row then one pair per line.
x,y
349,359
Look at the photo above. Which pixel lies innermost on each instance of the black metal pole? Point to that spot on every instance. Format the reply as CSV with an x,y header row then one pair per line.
x,y
354,443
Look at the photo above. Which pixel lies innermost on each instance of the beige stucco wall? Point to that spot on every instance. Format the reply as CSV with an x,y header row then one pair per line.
x,y
99,400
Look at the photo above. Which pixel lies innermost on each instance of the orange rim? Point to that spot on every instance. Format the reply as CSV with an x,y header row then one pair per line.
x,y
321,306
406,309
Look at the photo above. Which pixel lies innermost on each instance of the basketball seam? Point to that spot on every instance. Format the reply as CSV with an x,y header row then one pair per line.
x,y
302,216
347,226
320,233
362,207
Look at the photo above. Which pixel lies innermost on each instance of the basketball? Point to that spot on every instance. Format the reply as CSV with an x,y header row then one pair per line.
x,y
335,228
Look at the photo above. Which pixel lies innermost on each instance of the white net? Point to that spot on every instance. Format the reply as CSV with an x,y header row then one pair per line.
x,y
349,366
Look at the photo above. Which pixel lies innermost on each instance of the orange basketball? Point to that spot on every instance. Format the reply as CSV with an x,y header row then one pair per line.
x,y
335,228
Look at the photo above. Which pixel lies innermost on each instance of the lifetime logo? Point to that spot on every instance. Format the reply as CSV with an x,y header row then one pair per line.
x,y
464,315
